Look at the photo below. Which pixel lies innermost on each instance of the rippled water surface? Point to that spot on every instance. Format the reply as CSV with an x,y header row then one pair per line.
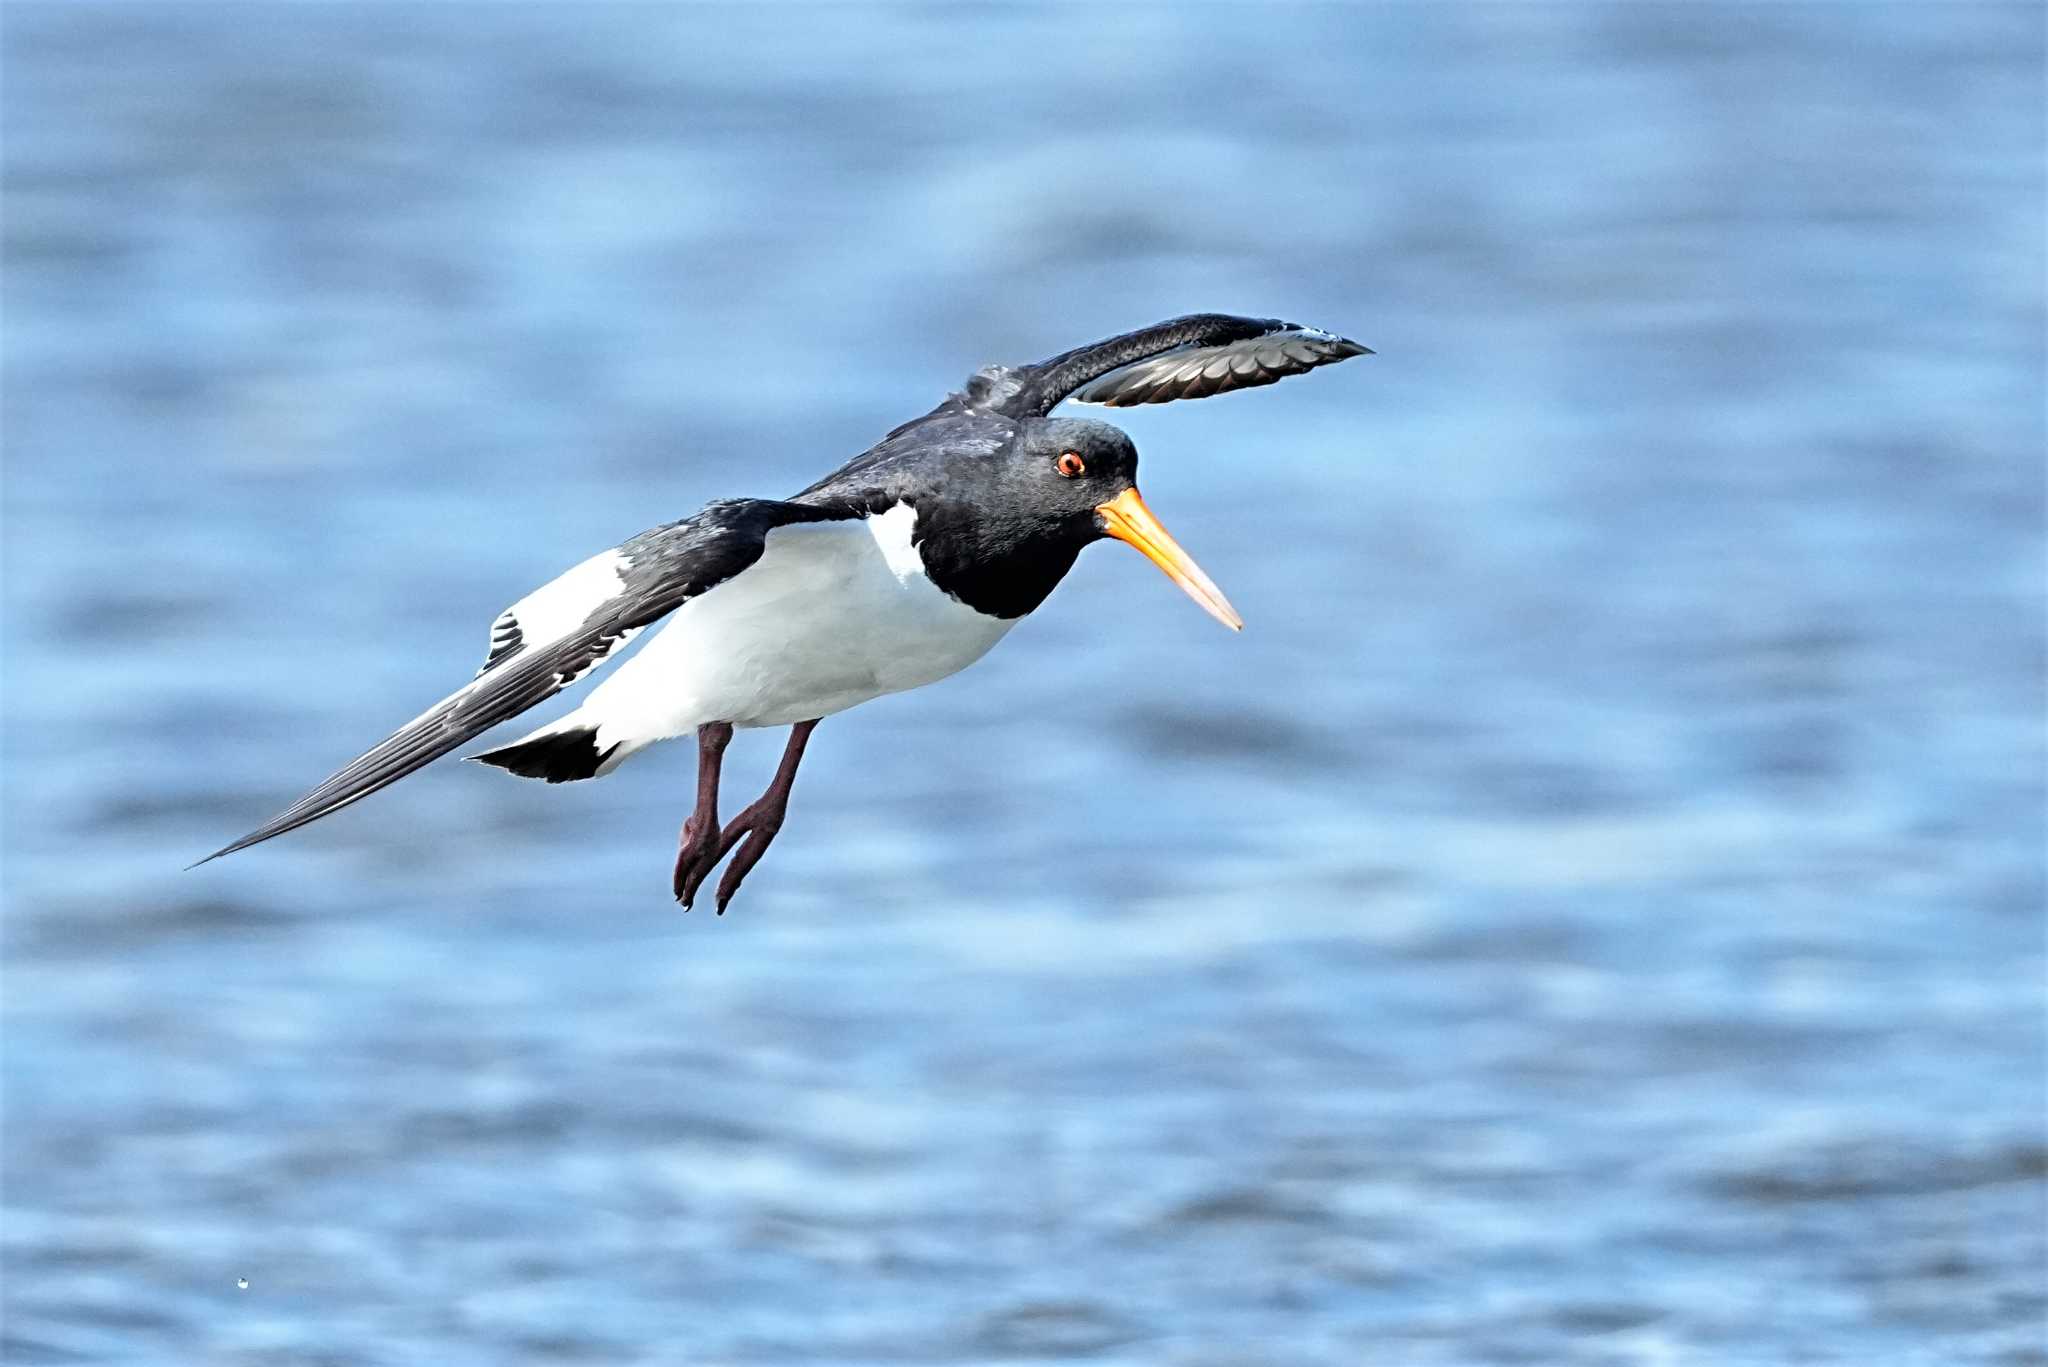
x,y
1592,915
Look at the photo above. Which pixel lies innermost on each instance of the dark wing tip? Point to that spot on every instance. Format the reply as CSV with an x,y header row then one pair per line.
x,y
289,820
255,837
1200,371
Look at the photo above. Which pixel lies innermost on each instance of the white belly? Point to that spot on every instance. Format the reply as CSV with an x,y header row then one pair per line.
x,y
832,615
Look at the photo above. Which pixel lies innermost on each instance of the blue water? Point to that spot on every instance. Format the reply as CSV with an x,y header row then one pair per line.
x,y
1593,914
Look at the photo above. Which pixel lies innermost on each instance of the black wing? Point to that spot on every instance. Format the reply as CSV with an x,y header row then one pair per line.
x,y
650,576
1182,358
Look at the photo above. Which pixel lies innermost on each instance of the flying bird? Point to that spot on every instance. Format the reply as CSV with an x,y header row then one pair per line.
x,y
901,567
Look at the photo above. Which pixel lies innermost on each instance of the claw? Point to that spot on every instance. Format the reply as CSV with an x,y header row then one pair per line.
x,y
697,857
752,831
699,851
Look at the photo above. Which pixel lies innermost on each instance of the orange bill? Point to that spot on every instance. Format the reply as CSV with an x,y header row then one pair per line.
x,y
1126,518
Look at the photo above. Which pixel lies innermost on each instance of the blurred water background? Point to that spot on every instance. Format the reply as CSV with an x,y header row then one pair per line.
x,y
1592,915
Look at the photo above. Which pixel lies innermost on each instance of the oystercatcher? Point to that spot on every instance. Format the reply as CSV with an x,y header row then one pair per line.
x,y
901,567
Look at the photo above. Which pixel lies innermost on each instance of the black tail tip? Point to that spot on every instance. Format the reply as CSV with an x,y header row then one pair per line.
x,y
562,757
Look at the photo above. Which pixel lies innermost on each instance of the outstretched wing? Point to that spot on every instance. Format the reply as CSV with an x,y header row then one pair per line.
x,y
1182,358
553,637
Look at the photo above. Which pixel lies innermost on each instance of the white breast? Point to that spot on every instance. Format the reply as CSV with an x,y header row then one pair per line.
x,y
832,615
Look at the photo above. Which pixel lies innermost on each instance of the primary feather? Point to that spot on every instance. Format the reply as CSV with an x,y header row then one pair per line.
x,y
587,615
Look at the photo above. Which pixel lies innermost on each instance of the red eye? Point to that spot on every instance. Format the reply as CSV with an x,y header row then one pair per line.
x,y
1071,464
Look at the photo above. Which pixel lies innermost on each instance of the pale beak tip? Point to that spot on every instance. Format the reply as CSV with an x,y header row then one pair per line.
x,y
1219,607
1126,518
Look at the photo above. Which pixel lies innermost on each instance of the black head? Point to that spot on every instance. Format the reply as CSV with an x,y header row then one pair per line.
x,y
1063,469
1008,527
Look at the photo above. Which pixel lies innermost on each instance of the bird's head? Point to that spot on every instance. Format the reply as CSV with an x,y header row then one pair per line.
x,y
1079,480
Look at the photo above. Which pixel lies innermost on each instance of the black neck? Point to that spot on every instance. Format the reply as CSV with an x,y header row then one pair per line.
x,y
992,565
984,536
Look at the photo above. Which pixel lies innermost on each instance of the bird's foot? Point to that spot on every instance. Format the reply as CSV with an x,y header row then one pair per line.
x,y
700,849
756,827
699,854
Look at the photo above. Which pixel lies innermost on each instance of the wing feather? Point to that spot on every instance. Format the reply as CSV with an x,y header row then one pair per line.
x,y
1181,358
1198,372
650,576
506,640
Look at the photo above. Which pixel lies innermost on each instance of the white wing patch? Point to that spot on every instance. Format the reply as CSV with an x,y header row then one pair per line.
x,y
556,608
891,531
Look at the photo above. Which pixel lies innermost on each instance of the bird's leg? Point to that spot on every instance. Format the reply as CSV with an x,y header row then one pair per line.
x,y
700,843
759,822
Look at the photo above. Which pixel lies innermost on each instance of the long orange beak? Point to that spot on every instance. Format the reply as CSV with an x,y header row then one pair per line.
x,y
1126,518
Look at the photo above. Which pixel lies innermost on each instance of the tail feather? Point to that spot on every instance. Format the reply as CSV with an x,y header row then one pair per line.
x,y
557,756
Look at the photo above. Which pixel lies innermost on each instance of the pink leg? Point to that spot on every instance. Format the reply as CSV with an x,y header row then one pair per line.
x,y
759,822
700,849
